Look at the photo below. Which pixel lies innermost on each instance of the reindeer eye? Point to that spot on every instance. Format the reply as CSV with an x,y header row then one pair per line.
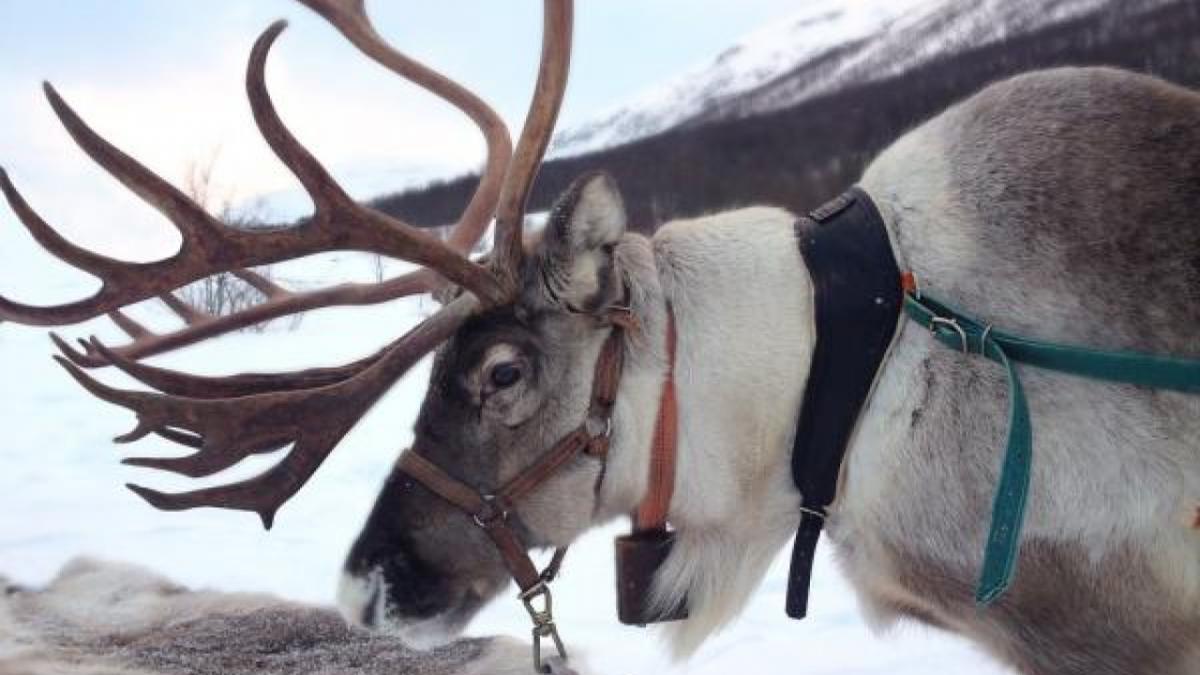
x,y
505,375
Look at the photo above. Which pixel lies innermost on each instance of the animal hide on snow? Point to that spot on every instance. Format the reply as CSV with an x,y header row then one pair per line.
x,y
101,618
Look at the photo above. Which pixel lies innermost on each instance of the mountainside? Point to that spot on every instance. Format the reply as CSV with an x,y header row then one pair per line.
x,y
826,46
819,29
797,155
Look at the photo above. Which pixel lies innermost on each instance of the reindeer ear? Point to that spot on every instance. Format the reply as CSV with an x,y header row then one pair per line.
x,y
576,254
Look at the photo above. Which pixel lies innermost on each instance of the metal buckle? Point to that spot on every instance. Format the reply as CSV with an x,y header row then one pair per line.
x,y
815,513
983,339
592,426
953,324
543,623
486,520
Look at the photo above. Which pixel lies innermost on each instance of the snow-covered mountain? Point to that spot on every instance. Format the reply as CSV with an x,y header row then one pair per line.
x,y
821,48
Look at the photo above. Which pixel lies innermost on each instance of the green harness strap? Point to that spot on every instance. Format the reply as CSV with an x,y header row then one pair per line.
x,y
960,331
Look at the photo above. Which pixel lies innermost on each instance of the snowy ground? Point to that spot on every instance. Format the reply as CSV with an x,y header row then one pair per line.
x,y
61,495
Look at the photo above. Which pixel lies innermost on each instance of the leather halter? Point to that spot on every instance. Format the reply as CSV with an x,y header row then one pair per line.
x,y
490,511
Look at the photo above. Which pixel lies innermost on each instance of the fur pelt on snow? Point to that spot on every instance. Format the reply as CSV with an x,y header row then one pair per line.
x,y
101,618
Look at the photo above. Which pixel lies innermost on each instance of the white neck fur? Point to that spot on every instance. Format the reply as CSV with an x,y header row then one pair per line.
x,y
743,306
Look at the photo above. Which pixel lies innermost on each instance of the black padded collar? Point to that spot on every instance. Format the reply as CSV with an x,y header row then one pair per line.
x,y
858,296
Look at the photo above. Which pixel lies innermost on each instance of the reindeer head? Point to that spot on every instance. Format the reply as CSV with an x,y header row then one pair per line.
x,y
518,339
509,385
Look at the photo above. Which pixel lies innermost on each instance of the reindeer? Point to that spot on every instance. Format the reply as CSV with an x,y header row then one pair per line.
x,y
1058,204
101,618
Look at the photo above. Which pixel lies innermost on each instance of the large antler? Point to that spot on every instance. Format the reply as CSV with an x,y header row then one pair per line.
x,y
210,247
229,418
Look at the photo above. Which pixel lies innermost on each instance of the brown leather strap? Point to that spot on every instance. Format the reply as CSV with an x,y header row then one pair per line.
x,y
516,559
552,569
605,382
546,465
445,486
651,513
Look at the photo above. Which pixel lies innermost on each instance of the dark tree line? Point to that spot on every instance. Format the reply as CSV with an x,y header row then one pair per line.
x,y
800,156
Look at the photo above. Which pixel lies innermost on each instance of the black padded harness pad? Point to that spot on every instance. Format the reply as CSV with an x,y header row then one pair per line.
x,y
858,297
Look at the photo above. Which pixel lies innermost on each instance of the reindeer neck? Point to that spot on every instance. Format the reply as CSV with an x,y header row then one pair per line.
x,y
742,303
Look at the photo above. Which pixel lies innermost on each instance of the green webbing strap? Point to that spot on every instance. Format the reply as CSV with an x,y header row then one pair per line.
x,y
960,331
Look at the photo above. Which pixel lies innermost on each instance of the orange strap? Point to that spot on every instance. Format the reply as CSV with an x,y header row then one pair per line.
x,y
651,514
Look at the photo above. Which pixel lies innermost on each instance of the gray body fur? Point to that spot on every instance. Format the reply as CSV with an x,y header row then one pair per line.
x,y
1061,205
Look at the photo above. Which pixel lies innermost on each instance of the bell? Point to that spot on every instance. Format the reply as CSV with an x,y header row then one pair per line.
x,y
639,556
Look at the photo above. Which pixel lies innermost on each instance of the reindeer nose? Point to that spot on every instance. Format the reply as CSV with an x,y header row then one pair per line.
x,y
360,598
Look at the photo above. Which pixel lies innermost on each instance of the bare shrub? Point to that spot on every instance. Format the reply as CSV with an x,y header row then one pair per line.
x,y
224,293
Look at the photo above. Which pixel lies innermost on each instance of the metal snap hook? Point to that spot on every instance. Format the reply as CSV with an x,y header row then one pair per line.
x,y
983,339
953,324
543,623
598,427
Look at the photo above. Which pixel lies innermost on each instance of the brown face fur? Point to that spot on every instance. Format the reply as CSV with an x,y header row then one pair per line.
x,y
509,384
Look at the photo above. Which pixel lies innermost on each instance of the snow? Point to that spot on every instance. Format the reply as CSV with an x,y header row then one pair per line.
x,y
61,495
824,46
757,58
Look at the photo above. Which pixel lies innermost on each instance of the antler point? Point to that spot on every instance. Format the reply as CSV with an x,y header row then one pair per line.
x,y
152,497
51,93
139,432
268,36
65,348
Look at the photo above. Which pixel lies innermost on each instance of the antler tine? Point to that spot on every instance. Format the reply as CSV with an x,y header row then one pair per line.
x,y
130,327
190,315
292,303
262,494
177,383
558,17
198,228
333,205
50,239
258,282
350,18
230,428
111,272
325,192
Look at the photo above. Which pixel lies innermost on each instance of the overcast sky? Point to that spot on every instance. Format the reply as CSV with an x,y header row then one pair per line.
x,y
163,80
